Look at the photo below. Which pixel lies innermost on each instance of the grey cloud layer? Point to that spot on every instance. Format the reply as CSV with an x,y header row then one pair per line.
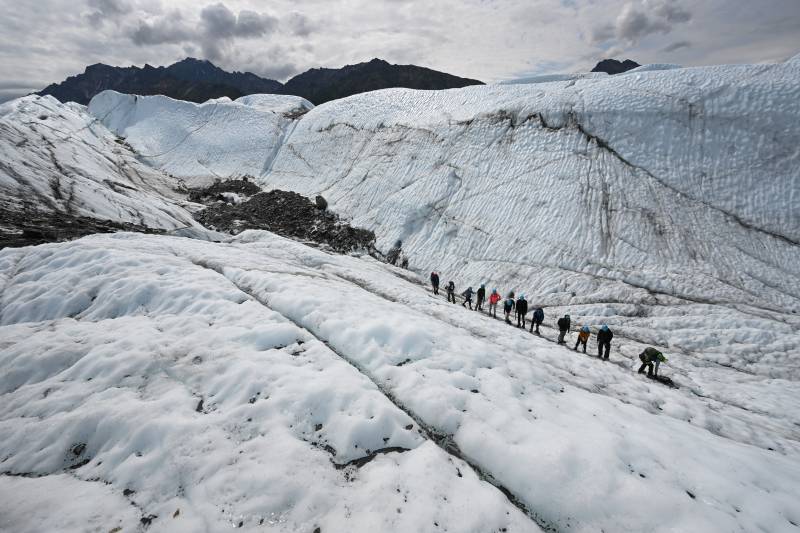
x,y
490,40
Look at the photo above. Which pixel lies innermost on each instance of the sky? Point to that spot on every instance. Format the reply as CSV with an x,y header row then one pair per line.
x,y
44,41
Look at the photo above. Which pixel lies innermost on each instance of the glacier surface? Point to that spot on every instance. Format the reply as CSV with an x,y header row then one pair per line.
x,y
205,386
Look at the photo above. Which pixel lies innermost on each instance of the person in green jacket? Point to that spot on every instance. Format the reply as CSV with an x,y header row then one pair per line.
x,y
649,357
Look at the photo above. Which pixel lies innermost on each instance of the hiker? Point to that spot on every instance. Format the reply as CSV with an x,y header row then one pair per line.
x,y
467,294
537,319
649,356
493,299
563,328
583,337
508,306
451,292
481,297
522,309
604,337
435,282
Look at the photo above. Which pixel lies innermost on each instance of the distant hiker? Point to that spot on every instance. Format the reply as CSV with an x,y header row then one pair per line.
x,y
583,337
522,309
467,294
604,337
493,299
648,357
563,328
451,292
394,253
404,262
538,318
508,306
435,282
481,297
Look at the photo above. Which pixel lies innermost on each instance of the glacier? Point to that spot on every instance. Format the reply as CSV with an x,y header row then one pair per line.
x,y
662,202
171,384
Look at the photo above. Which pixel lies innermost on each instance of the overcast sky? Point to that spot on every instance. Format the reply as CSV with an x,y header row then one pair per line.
x,y
42,41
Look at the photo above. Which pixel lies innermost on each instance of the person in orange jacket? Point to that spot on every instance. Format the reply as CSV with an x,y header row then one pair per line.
x,y
583,337
494,298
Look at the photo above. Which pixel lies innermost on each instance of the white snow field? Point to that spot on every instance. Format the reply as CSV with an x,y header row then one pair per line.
x,y
57,157
663,202
200,387
217,139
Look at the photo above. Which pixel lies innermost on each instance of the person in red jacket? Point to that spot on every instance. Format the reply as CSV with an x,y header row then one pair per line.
x,y
494,298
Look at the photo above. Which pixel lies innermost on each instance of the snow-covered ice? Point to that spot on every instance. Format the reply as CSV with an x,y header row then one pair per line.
x,y
223,383
663,201
217,139
57,157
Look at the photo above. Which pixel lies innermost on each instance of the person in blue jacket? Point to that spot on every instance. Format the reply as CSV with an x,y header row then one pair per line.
x,y
508,306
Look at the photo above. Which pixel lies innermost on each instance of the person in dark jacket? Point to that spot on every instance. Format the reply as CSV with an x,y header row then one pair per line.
x,y
467,294
648,357
537,319
522,309
451,292
563,328
481,297
604,337
508,306
435,282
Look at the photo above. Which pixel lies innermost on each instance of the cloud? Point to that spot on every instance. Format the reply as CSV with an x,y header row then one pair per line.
x,y
219,22
169,28
104,10
252,24
676,46
640,19
214,33
300,24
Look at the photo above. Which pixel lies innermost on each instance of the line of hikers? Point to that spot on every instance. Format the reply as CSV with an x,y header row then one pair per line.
x,y
650,357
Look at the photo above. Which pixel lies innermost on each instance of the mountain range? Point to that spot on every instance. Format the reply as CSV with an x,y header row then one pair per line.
x,y
198,80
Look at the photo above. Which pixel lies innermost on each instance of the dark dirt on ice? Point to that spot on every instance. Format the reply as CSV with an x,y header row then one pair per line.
x,y
29,228
283,212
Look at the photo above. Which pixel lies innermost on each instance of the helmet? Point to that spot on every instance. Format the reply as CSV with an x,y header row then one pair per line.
x,y
566,316
494,291
521,296
604,327
585,328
